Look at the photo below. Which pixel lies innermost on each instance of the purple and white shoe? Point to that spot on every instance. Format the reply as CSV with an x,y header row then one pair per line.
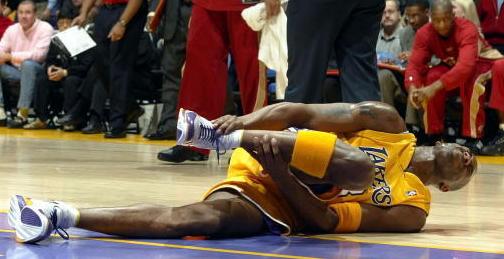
x,y
33,226
16,204
194,130
39,220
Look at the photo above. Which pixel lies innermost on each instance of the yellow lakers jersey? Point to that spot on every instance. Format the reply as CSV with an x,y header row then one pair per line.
x,y
392,185
391,154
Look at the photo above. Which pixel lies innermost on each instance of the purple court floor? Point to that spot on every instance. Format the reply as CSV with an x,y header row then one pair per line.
x,y
85,244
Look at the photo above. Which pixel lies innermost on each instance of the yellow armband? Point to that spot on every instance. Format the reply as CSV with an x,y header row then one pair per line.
x,y
313,152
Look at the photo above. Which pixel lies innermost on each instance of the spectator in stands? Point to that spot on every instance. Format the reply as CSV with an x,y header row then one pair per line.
x,y
216,29
417,15
388,38
118,27
491,15
456,42
494,147
62,72
314,30
10,9
91,99
4,23
23,49
388,49
392,82
174,34
92,94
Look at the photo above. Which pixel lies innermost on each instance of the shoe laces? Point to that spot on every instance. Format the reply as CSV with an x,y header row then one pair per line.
x,y
53,216
208,133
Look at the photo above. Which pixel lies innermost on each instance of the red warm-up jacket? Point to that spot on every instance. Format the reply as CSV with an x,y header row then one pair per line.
x,y
492,23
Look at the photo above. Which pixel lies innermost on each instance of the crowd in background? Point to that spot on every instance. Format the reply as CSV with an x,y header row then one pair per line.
x,y
416,66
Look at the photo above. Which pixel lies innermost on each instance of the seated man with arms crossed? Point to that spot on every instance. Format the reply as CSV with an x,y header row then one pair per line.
x,y
366,176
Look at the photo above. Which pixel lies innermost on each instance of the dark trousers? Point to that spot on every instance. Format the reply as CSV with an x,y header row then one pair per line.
x,y
91,96
317,27
171,64
47,92
115,60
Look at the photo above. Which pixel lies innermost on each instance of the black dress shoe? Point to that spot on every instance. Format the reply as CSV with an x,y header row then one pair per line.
x,y
70,119
3,122
94,127
160,135
115,133
17,123
178,154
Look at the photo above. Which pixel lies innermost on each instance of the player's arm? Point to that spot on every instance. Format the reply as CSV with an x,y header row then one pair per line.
x,y
315,214
333,117
401,218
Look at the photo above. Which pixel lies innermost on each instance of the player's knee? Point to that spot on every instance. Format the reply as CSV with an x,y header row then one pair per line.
x,y
200,219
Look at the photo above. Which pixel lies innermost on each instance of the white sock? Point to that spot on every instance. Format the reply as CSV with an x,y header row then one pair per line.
x,y
69,216
501,126
231,140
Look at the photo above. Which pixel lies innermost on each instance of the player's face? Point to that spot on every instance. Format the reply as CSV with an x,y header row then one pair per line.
x,y
454,165
442,20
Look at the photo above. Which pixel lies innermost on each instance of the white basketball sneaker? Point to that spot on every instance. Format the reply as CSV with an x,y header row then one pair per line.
x,y
38,221
16,204
194,130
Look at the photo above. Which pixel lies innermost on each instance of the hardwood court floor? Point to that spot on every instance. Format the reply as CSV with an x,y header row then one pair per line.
x,y
89,171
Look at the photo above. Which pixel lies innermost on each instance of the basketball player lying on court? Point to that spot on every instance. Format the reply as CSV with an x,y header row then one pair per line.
x,y
364,176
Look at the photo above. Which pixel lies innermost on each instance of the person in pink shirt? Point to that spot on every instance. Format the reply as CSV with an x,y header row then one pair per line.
x,y
23,49
4,24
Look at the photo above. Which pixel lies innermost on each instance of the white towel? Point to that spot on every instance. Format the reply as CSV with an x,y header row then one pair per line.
x,y
273,45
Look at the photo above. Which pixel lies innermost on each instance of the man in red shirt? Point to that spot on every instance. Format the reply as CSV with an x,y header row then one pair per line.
x,y
455,42
491,14
217,29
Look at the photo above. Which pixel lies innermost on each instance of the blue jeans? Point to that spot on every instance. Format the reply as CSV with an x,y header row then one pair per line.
x,y
26,75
